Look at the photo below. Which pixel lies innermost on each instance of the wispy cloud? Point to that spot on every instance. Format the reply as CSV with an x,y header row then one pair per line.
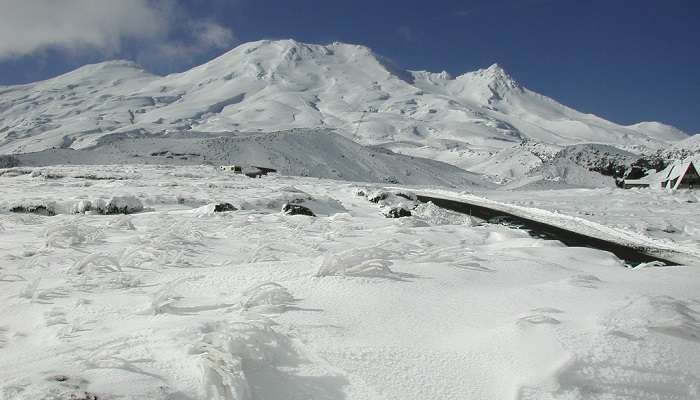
x,y
197,37
160,27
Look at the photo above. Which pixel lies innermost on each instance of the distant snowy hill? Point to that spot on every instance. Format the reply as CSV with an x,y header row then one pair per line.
x,y
300,152
269,86
688,148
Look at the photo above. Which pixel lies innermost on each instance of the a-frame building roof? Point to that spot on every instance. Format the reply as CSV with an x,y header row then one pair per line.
x,y
675,173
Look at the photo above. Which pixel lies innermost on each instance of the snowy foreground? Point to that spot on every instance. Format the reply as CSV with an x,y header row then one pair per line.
x,y
181,302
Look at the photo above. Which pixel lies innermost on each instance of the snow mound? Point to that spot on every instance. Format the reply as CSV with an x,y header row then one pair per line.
x,y
435,215
71,233
116,205
267,298
232,354
213,208
124,205
561,173
320,205
122,222
370,262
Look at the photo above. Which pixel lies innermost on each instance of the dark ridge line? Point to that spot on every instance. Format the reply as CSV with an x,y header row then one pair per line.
x,y
631,255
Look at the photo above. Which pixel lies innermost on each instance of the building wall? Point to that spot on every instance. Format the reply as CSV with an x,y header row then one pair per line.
x,y
691,179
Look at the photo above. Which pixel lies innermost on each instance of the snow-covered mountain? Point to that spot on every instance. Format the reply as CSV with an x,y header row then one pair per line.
x,y
278,85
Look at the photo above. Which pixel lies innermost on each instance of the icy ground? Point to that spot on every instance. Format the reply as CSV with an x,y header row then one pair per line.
x,y
179,302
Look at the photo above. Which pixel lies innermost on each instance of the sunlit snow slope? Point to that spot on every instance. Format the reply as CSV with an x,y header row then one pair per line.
x,y
278,85
300,152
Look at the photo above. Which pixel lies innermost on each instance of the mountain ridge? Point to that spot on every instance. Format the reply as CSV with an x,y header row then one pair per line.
x,y
267,86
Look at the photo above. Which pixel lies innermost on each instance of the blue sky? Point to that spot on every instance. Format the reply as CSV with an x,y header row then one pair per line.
x,y
627,61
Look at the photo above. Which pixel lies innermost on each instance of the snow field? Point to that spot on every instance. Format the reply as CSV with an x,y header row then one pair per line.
x,y
180,302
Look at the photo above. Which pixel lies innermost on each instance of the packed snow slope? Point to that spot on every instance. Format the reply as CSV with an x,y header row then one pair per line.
x,y
278,85
179,302
316,153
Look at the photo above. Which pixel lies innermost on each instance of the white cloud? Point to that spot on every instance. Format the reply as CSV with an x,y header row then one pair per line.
x,y
158,26
210,34
201,36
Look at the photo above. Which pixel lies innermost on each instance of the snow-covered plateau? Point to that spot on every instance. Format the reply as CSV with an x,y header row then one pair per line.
x,y
186,297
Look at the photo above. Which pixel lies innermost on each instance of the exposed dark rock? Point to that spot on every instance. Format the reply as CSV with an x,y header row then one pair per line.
x,y
58,378
408,195
296,209
38,209
644,165
8,161
224,207
99,178
603,159
640,168
84,396
377,197
255,171
171,154
397,212
112,210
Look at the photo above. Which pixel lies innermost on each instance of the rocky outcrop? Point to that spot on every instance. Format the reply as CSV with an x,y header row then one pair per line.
x,y
296,209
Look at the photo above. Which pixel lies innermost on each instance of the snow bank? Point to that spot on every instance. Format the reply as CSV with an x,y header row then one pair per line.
x,y
116,205
123,205
269,297
435,215
274,202
371,262
71,232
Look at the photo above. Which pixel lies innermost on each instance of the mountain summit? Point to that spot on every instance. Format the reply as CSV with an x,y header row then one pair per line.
x,y
274,85
488,85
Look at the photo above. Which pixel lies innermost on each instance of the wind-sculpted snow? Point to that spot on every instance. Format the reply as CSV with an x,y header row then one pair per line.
x,y
181,302
373,261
